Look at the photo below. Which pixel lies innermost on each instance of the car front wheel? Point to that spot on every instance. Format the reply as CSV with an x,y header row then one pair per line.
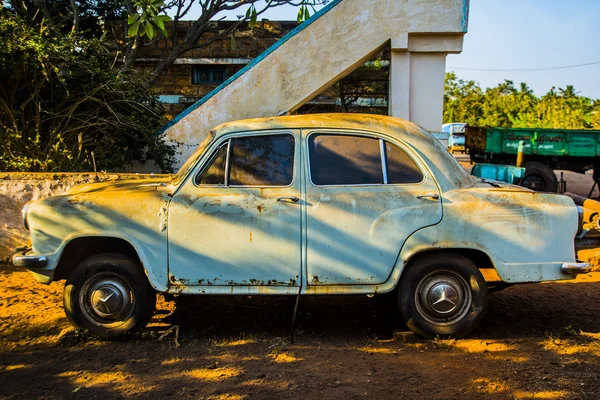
x,y
442,295
109,295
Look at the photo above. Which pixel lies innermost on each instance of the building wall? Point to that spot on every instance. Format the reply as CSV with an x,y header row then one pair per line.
x,y
177,91
175,86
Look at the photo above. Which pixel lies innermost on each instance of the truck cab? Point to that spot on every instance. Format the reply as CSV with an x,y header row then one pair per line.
x,y
456,136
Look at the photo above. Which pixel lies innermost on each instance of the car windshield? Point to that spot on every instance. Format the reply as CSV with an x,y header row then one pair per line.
x,y
191,162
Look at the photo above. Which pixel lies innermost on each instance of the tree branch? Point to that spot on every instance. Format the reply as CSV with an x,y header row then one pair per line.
x,y
41,5
75,9
202,25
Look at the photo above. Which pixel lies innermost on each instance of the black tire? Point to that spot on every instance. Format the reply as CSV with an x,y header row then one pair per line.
x,y
539,177
460,313
108,295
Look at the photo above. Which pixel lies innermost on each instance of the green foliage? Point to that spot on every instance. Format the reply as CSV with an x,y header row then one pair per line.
x,y
60,101
147,20
148,17
251,16
595,120
508,106
303,13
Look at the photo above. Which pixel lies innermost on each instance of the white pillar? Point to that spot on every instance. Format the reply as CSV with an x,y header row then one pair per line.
x,y
417,72
427,73
399,96
417,88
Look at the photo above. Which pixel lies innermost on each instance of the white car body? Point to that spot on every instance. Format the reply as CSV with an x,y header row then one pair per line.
x,y
336,239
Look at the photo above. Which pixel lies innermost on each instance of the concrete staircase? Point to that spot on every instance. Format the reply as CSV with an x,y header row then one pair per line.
x,y
335,41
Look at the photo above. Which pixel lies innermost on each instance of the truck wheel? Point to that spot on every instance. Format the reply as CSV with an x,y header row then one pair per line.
x,y
109,295
539,177
442,295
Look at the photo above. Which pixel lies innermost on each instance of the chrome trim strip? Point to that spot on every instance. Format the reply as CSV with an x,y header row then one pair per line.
x,y
227,162
383,156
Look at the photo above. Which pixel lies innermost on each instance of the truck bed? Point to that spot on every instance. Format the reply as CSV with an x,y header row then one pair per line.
x,y
577,150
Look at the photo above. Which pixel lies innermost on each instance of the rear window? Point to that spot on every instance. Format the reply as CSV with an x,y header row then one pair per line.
x,y
400,167
345,160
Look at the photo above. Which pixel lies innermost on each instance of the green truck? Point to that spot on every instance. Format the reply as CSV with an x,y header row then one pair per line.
x,y
545,151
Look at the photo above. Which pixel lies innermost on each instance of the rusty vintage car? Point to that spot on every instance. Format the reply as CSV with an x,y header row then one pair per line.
x,y
302,205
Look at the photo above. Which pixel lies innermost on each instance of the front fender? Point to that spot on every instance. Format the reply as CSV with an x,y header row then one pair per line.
x,y
137,217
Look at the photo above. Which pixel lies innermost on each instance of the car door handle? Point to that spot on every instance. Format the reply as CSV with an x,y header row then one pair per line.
x,y
433,196
288,199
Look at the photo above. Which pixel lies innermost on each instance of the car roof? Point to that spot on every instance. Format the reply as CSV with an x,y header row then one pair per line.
x,y
395,127
449,174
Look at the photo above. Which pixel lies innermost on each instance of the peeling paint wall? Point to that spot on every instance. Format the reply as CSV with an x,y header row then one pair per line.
x,y
16,189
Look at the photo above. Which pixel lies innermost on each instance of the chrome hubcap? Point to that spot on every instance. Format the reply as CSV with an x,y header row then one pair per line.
x,y
443,297
106,298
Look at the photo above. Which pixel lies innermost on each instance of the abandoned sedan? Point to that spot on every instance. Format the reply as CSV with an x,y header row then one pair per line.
x,y
302,205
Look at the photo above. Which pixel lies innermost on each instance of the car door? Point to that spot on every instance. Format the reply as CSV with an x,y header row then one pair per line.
x,y
365,195
236,221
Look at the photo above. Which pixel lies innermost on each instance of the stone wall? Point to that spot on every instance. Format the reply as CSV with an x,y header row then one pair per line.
x,y
16,189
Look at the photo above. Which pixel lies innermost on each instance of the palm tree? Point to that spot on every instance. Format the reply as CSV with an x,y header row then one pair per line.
x,y
525,89
568,92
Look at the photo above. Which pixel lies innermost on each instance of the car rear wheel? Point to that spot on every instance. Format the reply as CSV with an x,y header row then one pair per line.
x,y
109,295
442,295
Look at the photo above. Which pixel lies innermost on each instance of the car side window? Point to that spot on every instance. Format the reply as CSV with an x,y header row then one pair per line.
x,y
344,160
400,167
262,160
265,160
214,173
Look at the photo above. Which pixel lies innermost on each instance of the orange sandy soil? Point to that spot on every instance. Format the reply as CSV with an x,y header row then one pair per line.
x,y
538,341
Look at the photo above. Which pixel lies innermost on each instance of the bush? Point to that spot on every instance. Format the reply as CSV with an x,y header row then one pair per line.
x,y
61,99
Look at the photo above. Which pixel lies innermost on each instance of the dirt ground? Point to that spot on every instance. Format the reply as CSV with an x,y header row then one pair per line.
x,y
538,341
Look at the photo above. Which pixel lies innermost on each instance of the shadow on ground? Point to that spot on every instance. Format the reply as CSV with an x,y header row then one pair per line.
x,y
537,341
